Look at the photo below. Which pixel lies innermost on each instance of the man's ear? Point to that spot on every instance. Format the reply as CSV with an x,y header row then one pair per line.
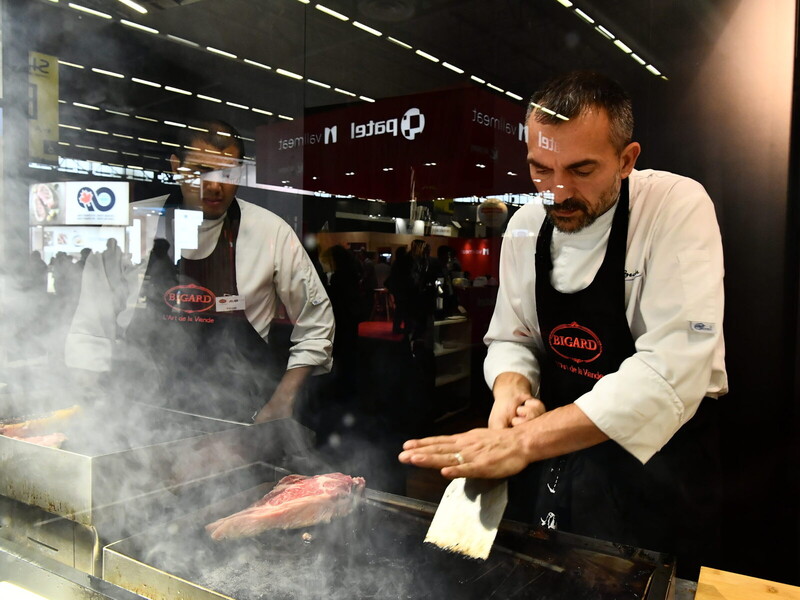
x,y
628,158
174,162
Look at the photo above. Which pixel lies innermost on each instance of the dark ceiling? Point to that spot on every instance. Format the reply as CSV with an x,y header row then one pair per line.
x,y
508,45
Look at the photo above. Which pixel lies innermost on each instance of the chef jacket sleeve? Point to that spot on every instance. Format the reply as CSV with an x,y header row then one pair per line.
x,y
307,304
513,337
94,328
679,313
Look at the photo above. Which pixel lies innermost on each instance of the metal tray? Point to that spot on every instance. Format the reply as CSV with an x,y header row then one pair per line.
x,y
376,552
107,462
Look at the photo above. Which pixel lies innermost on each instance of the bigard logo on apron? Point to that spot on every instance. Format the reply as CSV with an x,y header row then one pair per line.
x,y
575,342
190,298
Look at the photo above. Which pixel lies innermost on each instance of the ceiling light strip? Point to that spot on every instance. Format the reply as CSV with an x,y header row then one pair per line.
x,y
398,42
90,11
221,52
611,37
331,12
367,28
430,57
135,6
257,64
146,82
139,26
108,73
290,74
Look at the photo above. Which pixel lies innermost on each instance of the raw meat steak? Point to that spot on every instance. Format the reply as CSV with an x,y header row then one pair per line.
x,y
51,440
296,501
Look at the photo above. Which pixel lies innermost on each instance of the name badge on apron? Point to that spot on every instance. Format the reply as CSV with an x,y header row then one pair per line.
x,y
230,303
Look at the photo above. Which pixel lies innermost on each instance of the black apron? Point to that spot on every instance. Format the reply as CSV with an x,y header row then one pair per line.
x,y
669,504
201,359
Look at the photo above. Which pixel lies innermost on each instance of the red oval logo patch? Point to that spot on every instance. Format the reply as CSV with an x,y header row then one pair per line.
x,y
575,342
190,298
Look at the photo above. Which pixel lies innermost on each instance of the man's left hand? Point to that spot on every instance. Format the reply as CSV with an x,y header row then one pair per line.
x,y
274,409
485,453
281,405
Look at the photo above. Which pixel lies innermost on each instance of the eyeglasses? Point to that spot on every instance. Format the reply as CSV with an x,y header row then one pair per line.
x,y
194,175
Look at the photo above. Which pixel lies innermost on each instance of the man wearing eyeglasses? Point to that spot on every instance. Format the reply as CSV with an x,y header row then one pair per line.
x,y
196,335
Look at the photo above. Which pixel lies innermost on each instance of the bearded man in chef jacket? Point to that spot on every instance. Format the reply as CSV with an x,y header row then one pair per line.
x,y
605,350
196,338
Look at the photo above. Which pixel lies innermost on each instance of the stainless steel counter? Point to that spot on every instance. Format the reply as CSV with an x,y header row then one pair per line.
x,y
51,579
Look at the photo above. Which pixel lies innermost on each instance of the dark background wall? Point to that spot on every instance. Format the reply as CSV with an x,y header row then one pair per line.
x,y
729,128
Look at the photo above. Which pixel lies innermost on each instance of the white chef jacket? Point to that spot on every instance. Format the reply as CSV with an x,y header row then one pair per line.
x,y
271,264
674,304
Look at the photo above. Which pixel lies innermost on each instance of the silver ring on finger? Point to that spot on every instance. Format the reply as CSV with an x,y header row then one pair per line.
x,y
459,458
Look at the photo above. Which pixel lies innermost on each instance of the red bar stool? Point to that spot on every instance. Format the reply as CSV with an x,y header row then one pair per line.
x,y
382,309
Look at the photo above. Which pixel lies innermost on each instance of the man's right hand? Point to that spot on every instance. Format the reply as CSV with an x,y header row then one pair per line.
x,y
513,402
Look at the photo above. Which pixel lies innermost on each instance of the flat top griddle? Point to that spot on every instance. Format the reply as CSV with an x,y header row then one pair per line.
x,y
377,552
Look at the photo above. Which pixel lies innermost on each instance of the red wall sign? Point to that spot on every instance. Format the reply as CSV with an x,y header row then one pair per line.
x,y
452,143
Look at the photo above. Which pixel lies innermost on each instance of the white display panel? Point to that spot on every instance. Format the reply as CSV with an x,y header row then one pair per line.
x,y
79,203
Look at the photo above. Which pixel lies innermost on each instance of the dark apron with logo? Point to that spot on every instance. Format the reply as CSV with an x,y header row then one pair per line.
x,y
670,504
204,361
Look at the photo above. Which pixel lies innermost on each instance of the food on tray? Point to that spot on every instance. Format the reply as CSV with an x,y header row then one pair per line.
x,y
35,426
51,440
296,501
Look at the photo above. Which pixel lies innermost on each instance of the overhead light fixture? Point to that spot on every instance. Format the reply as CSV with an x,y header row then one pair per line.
x,y
135,6
398,42
584,16
286,73
622,47
447,65
90,11
430,57
209,98
145,82
368,29
183,41
221,52
108,73
331,12
169,88
605,32
257,64
138,26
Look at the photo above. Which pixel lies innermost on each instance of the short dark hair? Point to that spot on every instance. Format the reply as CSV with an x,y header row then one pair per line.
x,y
570,95
214,132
